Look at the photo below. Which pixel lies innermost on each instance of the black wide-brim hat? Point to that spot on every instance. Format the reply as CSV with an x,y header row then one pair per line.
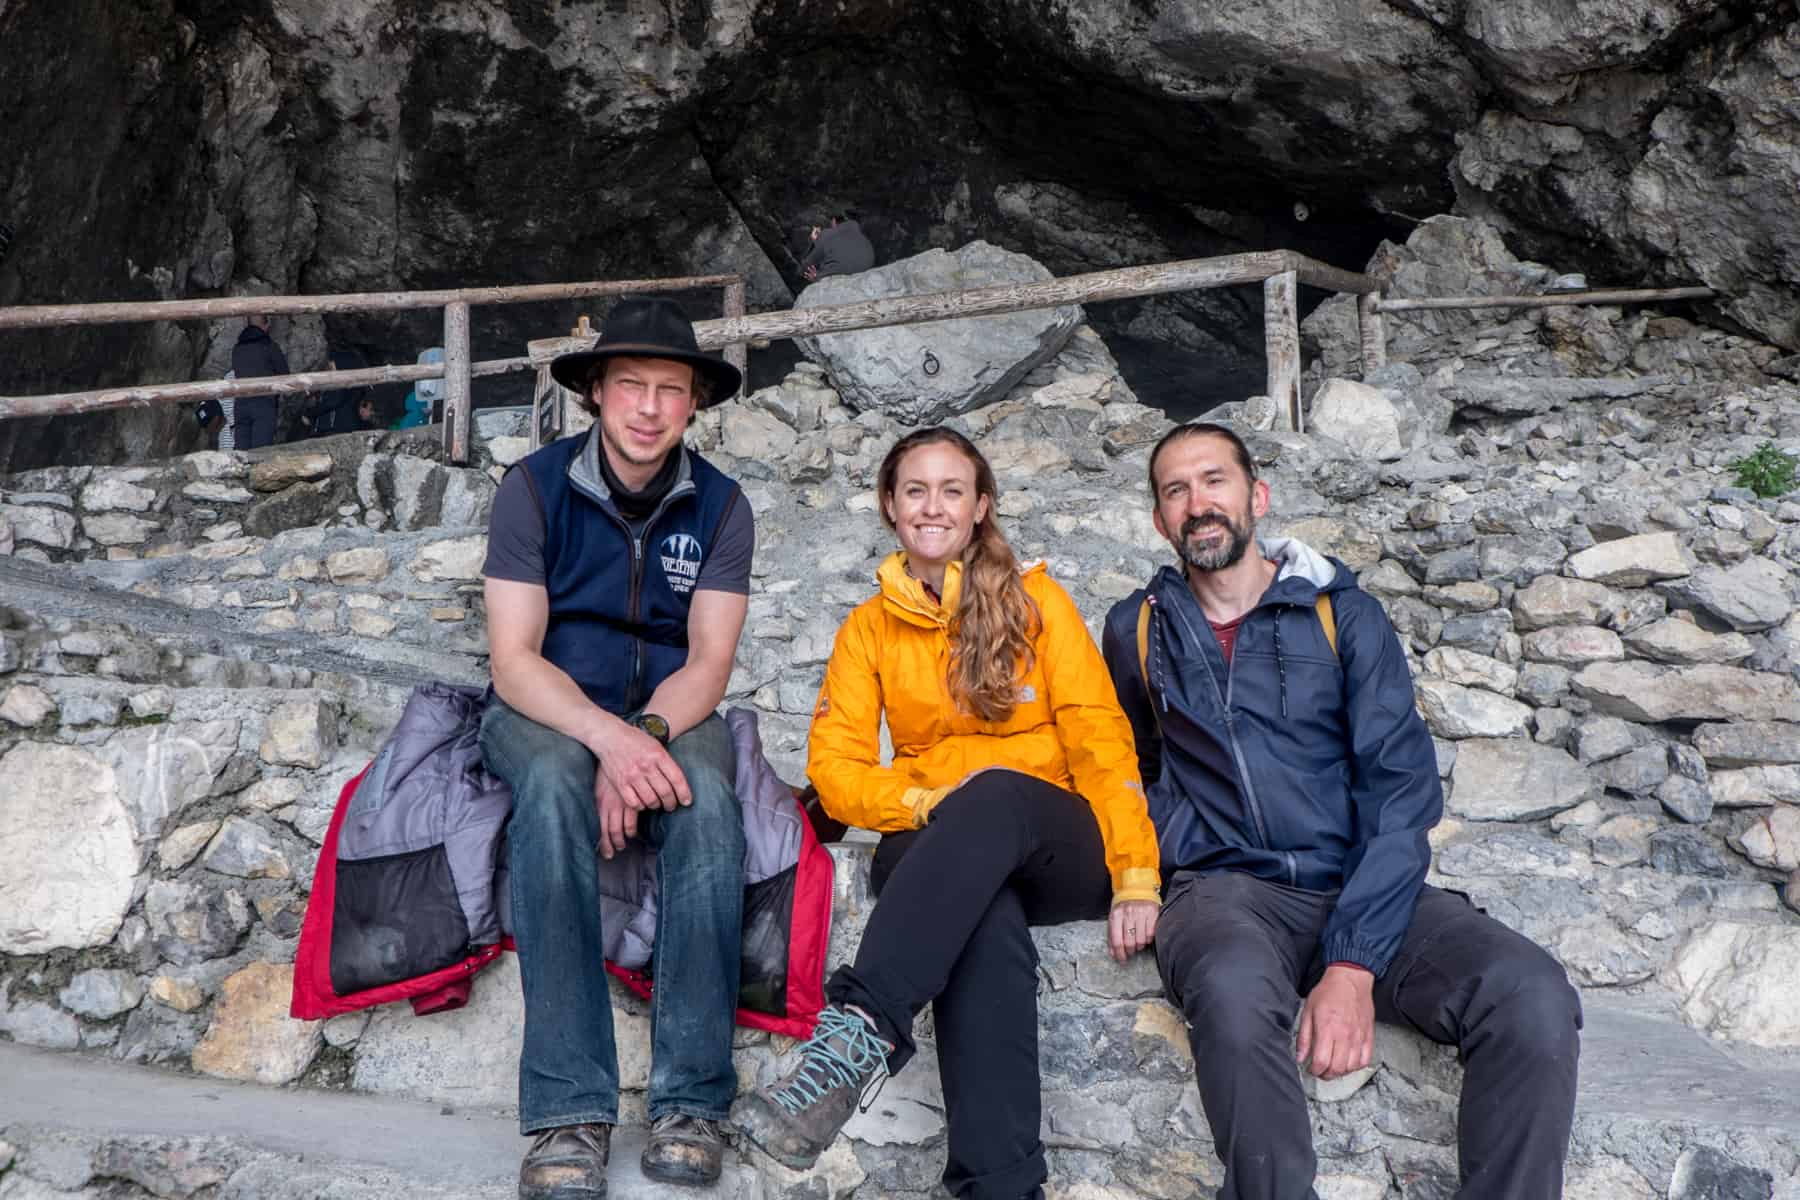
x,y
648,327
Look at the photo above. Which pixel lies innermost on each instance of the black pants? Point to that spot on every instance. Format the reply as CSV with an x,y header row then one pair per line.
x,y
1237,953
254,421
1002,853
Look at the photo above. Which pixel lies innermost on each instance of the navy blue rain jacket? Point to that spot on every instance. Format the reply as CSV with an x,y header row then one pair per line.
x,y
1290,763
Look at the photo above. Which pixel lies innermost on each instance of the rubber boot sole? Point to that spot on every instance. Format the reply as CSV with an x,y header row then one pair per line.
x,y
562,1193
746,1123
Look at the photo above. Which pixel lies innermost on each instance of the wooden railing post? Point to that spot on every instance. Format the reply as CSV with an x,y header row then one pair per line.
x,y
1281,337
1374,337
737,353
456,382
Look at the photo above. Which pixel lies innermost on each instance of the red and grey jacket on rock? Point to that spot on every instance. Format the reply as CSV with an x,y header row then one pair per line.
x,y
410,901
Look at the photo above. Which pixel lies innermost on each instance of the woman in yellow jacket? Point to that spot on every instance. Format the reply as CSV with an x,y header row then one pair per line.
x,y
1013,800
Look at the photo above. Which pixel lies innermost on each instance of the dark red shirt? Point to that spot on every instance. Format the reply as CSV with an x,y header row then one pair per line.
x,y
1226,632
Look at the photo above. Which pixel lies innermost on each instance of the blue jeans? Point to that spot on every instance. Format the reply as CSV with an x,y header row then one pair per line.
x,y
569,1065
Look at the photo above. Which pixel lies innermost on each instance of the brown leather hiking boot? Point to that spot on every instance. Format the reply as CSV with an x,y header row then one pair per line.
x,y
567,1163
795,1118
685,1150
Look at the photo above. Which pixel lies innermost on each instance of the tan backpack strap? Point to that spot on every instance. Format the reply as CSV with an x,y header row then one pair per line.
x,y
1322,606
1143,643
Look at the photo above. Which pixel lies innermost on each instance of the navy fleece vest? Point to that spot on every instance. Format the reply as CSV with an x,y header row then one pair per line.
x,y
619,605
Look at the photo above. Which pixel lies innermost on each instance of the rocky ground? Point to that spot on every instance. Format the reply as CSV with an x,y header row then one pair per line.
x,y
1602,625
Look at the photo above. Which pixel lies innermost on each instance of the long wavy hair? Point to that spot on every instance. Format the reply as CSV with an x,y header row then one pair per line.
x,y
991,633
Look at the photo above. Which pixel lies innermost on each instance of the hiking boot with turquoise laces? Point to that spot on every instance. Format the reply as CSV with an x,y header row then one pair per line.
x,y
794,1119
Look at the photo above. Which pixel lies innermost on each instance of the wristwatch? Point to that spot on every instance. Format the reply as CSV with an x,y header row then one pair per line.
x,y
653,725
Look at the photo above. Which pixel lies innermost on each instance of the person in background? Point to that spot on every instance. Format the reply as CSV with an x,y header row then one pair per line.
x,y
336,411
255,356
840,248
414,411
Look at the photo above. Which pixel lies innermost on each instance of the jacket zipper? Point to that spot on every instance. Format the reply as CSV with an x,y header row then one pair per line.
x,y
1237,752
636,686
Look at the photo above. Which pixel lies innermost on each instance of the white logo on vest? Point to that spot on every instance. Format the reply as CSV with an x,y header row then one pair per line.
x,y
681,561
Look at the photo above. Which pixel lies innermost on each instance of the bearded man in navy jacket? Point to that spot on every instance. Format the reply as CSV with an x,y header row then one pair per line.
x,y
1292,784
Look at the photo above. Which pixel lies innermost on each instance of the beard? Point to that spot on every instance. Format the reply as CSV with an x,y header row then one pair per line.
x,y
1216,555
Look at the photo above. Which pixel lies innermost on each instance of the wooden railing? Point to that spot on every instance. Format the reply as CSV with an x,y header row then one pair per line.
x,y
456,370
1280,272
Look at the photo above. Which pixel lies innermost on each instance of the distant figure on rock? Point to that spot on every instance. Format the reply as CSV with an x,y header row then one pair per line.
x,y
1013,800
618,576
256,355
840,248
1292,783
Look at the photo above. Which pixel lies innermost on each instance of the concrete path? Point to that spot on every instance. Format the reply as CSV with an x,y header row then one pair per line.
x,y
290,1142
364,1144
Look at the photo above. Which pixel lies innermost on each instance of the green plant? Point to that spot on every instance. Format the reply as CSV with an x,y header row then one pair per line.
x,y
1767,471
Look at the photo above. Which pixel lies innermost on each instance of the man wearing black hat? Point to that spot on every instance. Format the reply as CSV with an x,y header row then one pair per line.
x,y
618,574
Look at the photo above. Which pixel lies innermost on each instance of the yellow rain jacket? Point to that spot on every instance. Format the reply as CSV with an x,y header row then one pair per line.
x,y
893,653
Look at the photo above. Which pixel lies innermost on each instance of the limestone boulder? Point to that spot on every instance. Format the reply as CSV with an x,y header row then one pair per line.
x,y
162,769
67,839
756,435
300,733
452,559
290,508
35,1023
102,993
1748,743
919,374
362,565
1359,416
1754,595
1736,981
1468,669
1453,711
1558,600
40,524
1573,645
246,850
274,474
1639,691
469,1056
251,1036
26,705
1513,779
1772,838
1757,786
1683,643
191,924
1633,561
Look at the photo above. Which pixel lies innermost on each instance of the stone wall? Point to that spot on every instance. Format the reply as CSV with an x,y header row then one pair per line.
x,y
348,481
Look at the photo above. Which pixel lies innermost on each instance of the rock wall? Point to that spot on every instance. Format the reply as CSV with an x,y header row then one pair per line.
x,y
320,146
351,481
